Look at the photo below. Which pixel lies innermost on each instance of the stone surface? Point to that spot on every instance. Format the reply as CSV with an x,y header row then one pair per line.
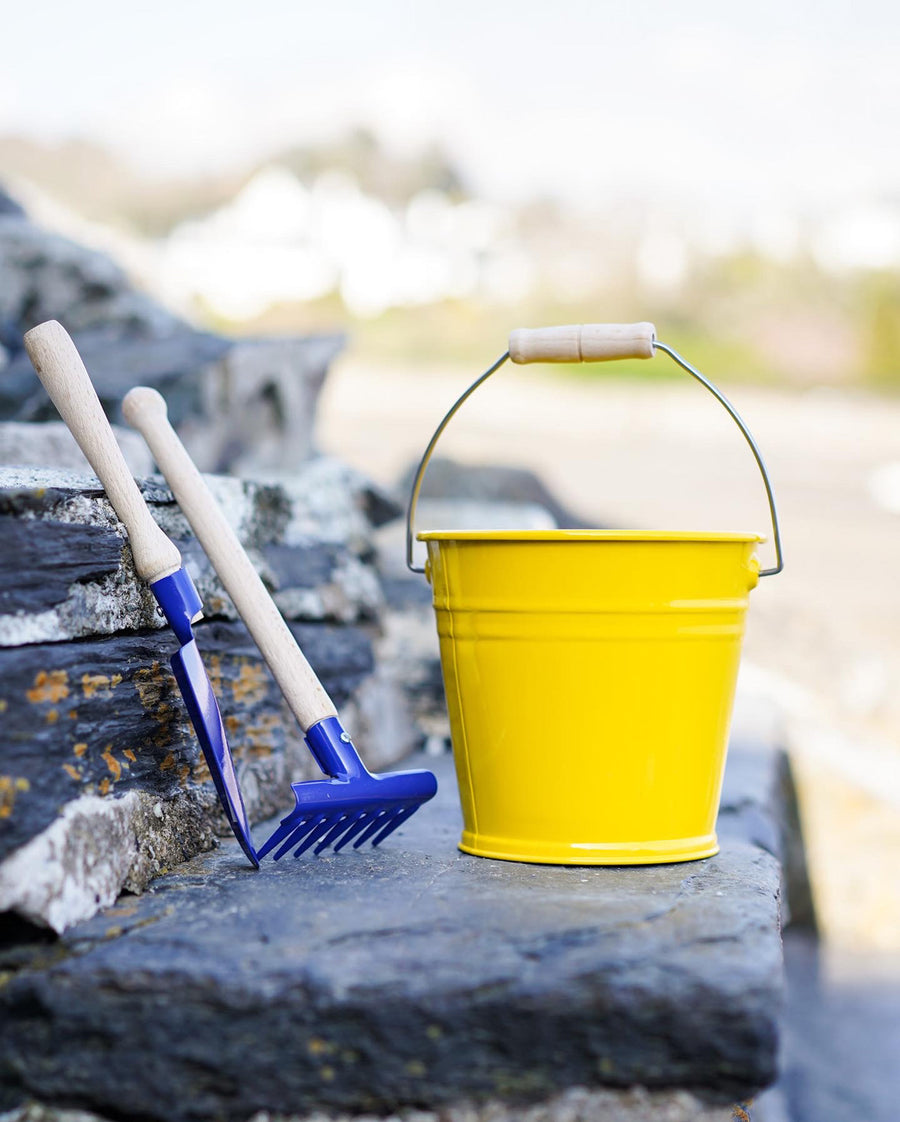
x,y
261,403
95,738
309,536
52,445
841,1036
412,976
46,276
245,404
575,1105
9,206
488,483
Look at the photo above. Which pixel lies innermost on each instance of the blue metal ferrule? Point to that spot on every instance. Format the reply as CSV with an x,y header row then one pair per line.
x,y
180,602
333,749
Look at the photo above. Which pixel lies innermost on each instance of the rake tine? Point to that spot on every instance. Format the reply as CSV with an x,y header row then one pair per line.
x,y
340,826
287,827
297,835
313,836
373,827
359,824
399,818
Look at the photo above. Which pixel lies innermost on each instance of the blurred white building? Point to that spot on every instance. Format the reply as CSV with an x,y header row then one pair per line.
x,y
280,242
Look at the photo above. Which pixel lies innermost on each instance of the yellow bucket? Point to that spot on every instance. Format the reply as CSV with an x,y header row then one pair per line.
x,y
590,676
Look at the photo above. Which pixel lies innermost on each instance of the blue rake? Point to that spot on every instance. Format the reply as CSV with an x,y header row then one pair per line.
x,y
350,805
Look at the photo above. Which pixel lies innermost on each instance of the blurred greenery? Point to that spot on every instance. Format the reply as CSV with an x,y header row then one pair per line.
x,y
741,318
881,323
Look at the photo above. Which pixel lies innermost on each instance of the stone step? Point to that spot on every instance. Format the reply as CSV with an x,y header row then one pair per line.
x,y
413,976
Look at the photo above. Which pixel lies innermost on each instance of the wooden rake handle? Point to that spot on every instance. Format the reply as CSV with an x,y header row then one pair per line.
x,y
64,377
145,410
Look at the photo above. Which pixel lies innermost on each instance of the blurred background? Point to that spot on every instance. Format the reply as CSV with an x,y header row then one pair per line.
x,y
425,177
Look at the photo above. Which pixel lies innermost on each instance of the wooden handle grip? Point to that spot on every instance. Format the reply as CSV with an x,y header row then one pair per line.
x,y
145,410
63,375
587,342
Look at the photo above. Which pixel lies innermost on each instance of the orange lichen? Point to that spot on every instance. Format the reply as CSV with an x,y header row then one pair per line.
x,y
50,685
201,770
73,714
104,786
168,763
258,737
112,763
80,748
72,772
52,717
250,685
129,755
99,685
214,669
149,683
10,786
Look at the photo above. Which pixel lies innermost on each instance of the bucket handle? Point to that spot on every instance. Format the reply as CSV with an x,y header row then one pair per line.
x,y
597,342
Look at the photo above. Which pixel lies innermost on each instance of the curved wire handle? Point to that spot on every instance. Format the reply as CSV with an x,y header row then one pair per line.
x,y
657,345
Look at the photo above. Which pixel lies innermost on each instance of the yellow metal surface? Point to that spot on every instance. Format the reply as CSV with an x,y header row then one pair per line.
x,y
590,676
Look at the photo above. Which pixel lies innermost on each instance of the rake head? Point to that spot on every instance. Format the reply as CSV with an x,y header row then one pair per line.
x,y
352,806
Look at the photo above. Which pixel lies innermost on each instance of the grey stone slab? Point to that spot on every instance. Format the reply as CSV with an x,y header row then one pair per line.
x,y
574,1105
9,207
40,561
414,975
101,781
68,571
105,717
51,445
841,1035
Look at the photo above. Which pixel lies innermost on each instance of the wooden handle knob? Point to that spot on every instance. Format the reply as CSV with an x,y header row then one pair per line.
x,y
588,342
63,375
145,410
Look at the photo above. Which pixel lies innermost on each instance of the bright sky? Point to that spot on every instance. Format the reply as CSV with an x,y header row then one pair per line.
x,y
763,102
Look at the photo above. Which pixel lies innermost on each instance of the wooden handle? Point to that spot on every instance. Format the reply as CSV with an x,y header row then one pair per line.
x,y
587,342
62,373
145,410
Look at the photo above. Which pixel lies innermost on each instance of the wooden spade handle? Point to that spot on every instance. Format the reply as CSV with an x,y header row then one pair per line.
x,y
145,410
63,375
583,342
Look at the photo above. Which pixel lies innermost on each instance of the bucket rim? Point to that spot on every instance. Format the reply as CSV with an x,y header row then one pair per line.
x,y
587,536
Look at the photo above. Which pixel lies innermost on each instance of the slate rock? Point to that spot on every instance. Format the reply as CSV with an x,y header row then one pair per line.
x,y
173,364
578,1104
412,975
9,207
313,526
495,483
95,739
245,404
40,561
51,445
46,276
104,716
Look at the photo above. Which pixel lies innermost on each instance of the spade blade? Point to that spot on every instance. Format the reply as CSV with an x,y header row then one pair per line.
x,y
197,691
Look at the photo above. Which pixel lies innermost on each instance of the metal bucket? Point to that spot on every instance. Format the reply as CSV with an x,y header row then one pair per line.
x,y
590,674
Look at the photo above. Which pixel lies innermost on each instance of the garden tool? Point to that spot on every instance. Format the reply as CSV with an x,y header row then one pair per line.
x,y
351,805
156,558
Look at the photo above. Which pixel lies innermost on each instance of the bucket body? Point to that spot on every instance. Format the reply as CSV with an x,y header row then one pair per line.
x,y
590,677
